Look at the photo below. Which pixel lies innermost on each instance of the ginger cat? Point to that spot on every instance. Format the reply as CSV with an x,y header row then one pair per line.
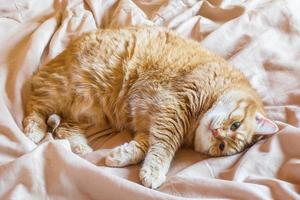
x,y
168,91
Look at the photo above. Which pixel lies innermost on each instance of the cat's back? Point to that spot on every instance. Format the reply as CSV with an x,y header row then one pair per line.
x,y
150,53
156,47
153,54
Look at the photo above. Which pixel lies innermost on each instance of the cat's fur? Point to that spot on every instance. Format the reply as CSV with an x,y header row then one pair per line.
x,y
167,90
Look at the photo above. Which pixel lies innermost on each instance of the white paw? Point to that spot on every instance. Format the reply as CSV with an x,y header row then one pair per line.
x,y
152,177
81,148
119,156
36,137
33,131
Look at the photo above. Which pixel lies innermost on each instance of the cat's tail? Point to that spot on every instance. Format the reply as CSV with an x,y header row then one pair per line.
x,y
53,122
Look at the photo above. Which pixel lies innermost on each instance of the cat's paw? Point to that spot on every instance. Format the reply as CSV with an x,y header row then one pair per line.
x,y
152,177
34,133
119,156
36,137
80,148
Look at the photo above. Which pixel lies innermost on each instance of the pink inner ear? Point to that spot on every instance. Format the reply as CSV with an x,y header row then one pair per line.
x,y
265,126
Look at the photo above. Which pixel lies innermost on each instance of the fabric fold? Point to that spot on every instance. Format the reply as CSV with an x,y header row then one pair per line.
x,y
259,37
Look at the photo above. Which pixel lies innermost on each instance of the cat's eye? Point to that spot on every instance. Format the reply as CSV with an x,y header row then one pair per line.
x,y
222,146
235,126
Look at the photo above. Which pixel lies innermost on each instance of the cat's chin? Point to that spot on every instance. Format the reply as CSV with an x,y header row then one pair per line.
x,y
203,140
203,136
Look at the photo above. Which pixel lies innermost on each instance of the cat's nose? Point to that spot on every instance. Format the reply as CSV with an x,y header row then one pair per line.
x,y
215,132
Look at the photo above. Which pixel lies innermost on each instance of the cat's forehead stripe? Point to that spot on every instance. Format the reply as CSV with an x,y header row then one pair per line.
x,y
239,110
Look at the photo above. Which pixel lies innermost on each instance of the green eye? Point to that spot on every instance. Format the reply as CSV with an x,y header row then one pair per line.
x,y
235,126
222,146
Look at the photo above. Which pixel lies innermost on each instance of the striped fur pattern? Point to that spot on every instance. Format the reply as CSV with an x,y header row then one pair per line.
x,y
166,90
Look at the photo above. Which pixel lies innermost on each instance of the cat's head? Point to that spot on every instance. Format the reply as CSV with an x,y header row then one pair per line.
x,y
233,123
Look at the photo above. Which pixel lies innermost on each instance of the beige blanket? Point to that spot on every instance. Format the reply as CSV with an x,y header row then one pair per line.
x,y
261,37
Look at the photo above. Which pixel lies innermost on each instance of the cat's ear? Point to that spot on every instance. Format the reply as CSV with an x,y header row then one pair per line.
x,y
265,126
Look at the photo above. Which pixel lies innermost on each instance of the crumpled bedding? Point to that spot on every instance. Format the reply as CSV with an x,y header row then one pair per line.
x,y
260,37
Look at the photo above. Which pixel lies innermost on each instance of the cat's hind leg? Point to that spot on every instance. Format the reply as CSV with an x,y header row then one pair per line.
x,y
128,153
35,126
75,135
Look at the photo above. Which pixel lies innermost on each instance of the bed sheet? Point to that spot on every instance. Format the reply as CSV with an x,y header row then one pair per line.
x,y
260,37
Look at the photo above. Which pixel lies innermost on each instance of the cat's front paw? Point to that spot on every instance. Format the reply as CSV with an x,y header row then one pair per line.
x,y
152,177
81,148
119,156
124,155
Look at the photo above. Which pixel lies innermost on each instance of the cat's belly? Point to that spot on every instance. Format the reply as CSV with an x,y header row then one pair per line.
x,y
98,114
117,113
86,112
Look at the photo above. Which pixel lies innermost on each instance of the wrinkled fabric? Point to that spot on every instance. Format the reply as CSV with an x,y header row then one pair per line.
x,y
260,37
